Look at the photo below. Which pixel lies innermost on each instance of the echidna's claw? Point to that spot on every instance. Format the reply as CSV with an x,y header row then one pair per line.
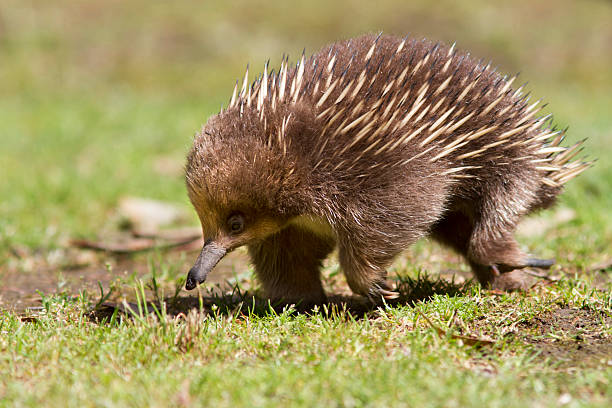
x,y
540,263
383,289
388,294
495,270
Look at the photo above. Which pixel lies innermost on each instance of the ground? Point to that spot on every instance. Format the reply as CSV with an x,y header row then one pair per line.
x,y
98,105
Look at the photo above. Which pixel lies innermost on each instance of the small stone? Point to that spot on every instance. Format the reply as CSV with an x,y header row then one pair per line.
x,y
565,399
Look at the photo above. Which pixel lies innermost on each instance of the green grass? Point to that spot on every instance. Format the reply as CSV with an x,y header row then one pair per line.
x,y
227,356
99,100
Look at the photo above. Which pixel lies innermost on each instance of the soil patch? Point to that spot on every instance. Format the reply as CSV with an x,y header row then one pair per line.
x,y
20,288
571,338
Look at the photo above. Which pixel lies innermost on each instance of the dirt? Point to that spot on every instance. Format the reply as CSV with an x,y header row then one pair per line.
x,y
570,338
22,282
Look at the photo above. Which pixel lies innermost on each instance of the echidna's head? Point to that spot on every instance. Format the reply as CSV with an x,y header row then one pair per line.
x,y
241,189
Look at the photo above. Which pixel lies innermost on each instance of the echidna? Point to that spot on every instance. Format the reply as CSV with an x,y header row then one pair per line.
x,y
369,145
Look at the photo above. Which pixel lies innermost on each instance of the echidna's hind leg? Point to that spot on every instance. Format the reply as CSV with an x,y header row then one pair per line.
x,y
287,265
497,263
455,230
493,260
492,251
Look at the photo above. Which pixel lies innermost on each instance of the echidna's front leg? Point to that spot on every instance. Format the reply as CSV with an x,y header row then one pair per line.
x,y
287,265
365,273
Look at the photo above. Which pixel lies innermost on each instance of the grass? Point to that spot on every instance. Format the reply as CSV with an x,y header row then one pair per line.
x,y
391,356
99,101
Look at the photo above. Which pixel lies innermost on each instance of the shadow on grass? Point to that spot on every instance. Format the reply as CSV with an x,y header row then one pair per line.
x,y
236,301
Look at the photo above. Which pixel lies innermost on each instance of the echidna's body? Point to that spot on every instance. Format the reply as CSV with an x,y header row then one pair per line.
x,y
369,145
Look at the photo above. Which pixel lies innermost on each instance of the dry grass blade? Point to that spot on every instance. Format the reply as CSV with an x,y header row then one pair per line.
x,y
469,340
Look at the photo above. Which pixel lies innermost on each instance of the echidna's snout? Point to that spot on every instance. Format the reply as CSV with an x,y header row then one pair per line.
x,y
209,257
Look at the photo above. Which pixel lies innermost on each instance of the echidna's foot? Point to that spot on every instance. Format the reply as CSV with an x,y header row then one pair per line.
x,y
497,277
301,299
511,281
299,304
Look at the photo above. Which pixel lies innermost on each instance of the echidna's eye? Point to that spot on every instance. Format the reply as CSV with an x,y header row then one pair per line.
x,y
235,223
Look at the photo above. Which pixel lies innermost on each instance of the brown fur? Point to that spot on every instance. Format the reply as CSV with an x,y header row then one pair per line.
x,y
382,143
